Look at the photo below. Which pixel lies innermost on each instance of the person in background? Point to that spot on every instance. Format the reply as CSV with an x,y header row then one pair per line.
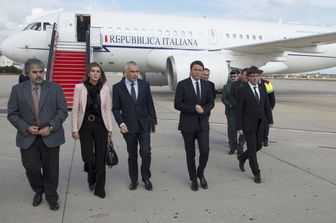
x,y
271,98
233,95
82,27
194,100
205,76
133,110
229,112
92,124
37,109
24,76
252,106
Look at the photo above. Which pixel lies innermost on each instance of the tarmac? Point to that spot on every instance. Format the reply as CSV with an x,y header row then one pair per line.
x,y
297,169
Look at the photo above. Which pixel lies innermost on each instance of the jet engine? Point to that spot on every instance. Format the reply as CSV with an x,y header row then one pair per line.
x,y
178,68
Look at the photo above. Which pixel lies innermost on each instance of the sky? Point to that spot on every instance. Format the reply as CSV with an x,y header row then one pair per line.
x,y
16,14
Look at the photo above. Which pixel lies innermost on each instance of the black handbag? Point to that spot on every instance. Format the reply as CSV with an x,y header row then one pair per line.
x,y
111,158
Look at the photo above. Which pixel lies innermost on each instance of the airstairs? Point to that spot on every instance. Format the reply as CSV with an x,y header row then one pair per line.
x,y
69,67
67,63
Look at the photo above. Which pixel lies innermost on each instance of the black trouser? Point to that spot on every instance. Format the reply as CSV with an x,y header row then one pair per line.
x,y
203,145
265,130
42,168
254,144
93,139
132,140
232,134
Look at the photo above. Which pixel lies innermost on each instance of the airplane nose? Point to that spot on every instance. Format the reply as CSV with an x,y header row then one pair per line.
x,y
4,47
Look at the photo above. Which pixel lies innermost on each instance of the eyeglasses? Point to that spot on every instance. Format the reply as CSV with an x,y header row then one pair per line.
x,y
37,71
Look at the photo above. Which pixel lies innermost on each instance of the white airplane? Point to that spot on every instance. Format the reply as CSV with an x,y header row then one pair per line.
x,y
164,46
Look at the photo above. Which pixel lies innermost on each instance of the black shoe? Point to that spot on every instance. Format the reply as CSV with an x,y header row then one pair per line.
x,y
241,163
265,144
91,186
257,179
101,195
194,185
148,185
54,205
37,199
203,182
133,185
232,151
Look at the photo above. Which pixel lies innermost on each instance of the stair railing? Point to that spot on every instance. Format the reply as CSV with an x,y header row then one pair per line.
x,y
88,48
52,46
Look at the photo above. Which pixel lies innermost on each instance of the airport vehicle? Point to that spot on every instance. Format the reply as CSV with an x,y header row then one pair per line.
x,y
164,46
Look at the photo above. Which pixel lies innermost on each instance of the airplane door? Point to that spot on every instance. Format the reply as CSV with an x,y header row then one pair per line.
x,y
212,37
95,37
67,26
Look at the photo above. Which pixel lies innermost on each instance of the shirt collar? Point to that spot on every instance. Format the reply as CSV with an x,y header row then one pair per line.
x,y
129,82
194,81
252,86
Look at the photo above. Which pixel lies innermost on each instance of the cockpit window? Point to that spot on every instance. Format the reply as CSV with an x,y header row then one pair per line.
x,y
34,26
45,24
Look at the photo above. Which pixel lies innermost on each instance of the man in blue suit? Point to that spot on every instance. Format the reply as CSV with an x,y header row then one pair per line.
x,y
194,99
37,109
134,111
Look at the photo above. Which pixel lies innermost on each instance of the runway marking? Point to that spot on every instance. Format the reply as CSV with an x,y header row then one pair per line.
x,y
299,168
68,181
275,128
326,147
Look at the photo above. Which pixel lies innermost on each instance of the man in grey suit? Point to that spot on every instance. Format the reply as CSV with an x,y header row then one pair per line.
x,y
37,109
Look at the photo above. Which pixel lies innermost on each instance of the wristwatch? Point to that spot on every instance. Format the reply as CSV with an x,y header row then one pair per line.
x,y
51,128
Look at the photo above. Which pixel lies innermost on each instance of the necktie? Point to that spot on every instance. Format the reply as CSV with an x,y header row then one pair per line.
x,y
36,105
256,95
198,90
133,95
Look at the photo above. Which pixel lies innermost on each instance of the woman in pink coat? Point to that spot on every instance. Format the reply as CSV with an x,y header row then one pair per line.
x,y
92,124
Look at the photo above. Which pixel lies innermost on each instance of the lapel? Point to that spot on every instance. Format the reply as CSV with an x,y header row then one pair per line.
x,y
251,93
140,90
204,88
191,86
83,95
261,94
43,94
28,94
124,89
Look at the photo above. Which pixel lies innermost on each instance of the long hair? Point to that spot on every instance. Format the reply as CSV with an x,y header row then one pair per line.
x,y
86,78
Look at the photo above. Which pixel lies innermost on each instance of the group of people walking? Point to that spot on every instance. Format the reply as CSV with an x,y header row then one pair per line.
x,y
249,115
37,109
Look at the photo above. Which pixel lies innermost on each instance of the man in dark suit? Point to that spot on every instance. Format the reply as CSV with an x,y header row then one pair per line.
x,y
252,106
194,100
233,96
134,111
37,109
205,76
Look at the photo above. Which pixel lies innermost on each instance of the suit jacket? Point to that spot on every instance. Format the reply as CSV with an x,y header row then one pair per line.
x,y
79,106
249,112
133,114
53,112
185,101
213,89
226,99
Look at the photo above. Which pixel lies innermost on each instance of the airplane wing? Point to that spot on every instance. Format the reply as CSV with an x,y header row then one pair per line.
x,y
305,44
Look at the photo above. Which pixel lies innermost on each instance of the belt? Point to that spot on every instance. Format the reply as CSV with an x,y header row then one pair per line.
x,y
91,118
